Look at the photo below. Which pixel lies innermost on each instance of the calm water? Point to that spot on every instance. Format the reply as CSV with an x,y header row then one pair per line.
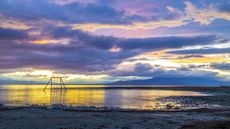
x,y
17,95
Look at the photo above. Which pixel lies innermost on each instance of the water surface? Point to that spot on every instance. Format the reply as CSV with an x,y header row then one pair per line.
x,y
79,95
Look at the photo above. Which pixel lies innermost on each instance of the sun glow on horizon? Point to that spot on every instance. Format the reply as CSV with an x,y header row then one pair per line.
x,y
44,75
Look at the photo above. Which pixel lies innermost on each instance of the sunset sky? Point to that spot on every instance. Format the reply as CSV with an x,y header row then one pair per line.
x,y
103,41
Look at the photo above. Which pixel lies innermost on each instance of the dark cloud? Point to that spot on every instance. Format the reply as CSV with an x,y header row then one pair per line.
x,y
85,53
81,59
190,56
96,12
147,71
77,12
78,57
140,70
139,67
107,42
164,42
221,66
202,51
10,34
73,13
224,7
191,67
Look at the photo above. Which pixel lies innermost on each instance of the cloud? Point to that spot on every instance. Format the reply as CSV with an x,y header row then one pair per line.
x,y
224,7
74,56
145,71
190,56
202,51
133,26
64,2
138,70
149,8
205,16
84,52
10,23
156,43
164,42
41,75
221,66
176,18
42,9
174,11
97,15
10,34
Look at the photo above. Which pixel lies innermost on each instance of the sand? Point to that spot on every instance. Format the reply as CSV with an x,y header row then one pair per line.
x,y
224,124
56,118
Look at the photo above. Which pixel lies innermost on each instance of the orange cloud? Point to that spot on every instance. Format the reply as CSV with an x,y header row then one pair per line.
x,y
134,26
115,49
13,24
206,59
51,41
204,16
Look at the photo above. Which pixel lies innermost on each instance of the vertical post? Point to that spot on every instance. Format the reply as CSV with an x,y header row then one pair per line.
x,y
46,85
51,83
60,82
63,84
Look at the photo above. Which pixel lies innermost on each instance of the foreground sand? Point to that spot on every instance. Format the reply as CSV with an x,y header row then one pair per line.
x,y
224,124
45,118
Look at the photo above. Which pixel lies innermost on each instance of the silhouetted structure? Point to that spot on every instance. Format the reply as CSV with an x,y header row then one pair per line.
x,y
50,82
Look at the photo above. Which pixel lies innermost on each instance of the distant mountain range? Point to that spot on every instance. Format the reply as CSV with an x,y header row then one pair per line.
x,y
9,81
183,81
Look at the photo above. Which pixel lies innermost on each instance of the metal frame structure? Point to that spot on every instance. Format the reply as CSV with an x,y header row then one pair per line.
x,y
50,82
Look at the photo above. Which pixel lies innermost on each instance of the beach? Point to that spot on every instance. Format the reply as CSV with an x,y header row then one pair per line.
x,y
34,117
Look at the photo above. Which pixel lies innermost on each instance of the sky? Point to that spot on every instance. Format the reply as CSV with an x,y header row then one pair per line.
x,y
103,41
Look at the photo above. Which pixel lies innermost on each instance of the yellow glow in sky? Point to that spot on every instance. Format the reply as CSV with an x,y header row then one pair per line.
x,y
6,22
134,26
44,75
207,59
51,41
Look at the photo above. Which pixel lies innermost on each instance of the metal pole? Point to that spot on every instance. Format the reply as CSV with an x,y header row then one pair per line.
x,y
46,85
60,83
51,83
63,84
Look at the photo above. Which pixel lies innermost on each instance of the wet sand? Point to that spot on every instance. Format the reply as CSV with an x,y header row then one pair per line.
x,y
56,118
224,124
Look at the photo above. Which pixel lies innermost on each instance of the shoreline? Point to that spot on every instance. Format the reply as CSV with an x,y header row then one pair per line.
x,y
111,109
58,118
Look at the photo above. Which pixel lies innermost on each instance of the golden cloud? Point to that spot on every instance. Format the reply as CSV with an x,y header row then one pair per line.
x,y
135,26
13,24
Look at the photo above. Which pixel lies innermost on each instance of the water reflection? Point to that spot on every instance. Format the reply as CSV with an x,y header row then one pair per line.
x,y
125,98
